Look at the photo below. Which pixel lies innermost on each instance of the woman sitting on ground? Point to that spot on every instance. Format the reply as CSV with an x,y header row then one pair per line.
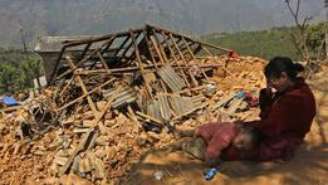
x,y
287,110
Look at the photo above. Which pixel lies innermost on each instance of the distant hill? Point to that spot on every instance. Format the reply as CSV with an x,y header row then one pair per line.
x,y
33,18
269,43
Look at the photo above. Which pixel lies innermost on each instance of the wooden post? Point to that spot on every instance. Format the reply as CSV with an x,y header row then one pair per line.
x,y
188,38
127,48
66,86
157,49
160,47
136,50
83,87
84,59
109,43
102,60
122,45
85,95
193,56
150,51
188,48
207,50
83,145
184,59
169,47
176,60
85,50
177,48
176,53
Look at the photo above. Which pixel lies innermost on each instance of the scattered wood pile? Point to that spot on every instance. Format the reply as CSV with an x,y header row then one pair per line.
x,y
114,97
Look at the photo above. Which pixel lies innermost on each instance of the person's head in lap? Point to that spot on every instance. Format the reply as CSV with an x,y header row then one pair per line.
x,y
246,138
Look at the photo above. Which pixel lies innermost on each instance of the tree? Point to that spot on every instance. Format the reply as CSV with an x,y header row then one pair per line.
x,y
300,36
8,77
32,70
18,69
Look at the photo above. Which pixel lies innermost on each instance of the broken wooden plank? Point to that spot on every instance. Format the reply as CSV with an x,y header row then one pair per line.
x,y
82,146
84,95
223,101
140,64
158,122
83,87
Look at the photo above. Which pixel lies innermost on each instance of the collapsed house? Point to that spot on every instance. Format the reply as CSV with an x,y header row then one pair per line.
x,y
156,73
112,98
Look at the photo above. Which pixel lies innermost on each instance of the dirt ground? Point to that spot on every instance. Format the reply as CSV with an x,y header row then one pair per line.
x,y
309,167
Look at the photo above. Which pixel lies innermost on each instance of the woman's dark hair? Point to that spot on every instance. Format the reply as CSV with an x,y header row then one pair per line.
x,y
277,65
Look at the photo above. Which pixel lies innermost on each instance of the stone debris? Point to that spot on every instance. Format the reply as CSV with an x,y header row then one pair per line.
x,y
114,97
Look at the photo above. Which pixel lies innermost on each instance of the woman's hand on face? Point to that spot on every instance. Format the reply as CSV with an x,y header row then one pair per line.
x,y
270,90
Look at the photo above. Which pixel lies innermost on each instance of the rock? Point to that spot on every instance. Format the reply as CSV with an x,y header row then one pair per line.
x,y
102,141
72,179
60,160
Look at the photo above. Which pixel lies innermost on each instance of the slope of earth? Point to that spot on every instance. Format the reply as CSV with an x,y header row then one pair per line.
x,y
309,167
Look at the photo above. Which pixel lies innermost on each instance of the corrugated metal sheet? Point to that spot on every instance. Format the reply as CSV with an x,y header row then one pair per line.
x,y
171,78
126,96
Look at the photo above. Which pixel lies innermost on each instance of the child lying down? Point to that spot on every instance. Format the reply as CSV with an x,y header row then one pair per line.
x,y
213,139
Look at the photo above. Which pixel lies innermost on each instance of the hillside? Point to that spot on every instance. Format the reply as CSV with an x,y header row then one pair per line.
x,y
268,43
265,44
34,18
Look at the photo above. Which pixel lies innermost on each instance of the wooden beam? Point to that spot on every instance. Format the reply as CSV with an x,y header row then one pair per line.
x,y
150,51
189,38
108,46
83,60
66,86
176,60
102,60
130,45
122,45
83,87
184,59
193,57
207,50
85,95
159,54
177,48
146,67
137,53
161,49
166,38
188,48
52,77
85,50
72,43
156,121
83,145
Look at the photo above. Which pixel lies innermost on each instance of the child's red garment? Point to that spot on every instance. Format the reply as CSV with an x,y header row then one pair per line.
x,y
217,137
285,120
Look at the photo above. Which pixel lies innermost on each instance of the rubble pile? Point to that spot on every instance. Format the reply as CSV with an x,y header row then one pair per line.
x,y
112,98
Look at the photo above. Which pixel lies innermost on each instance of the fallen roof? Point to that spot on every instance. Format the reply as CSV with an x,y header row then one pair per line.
x,y
153,44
